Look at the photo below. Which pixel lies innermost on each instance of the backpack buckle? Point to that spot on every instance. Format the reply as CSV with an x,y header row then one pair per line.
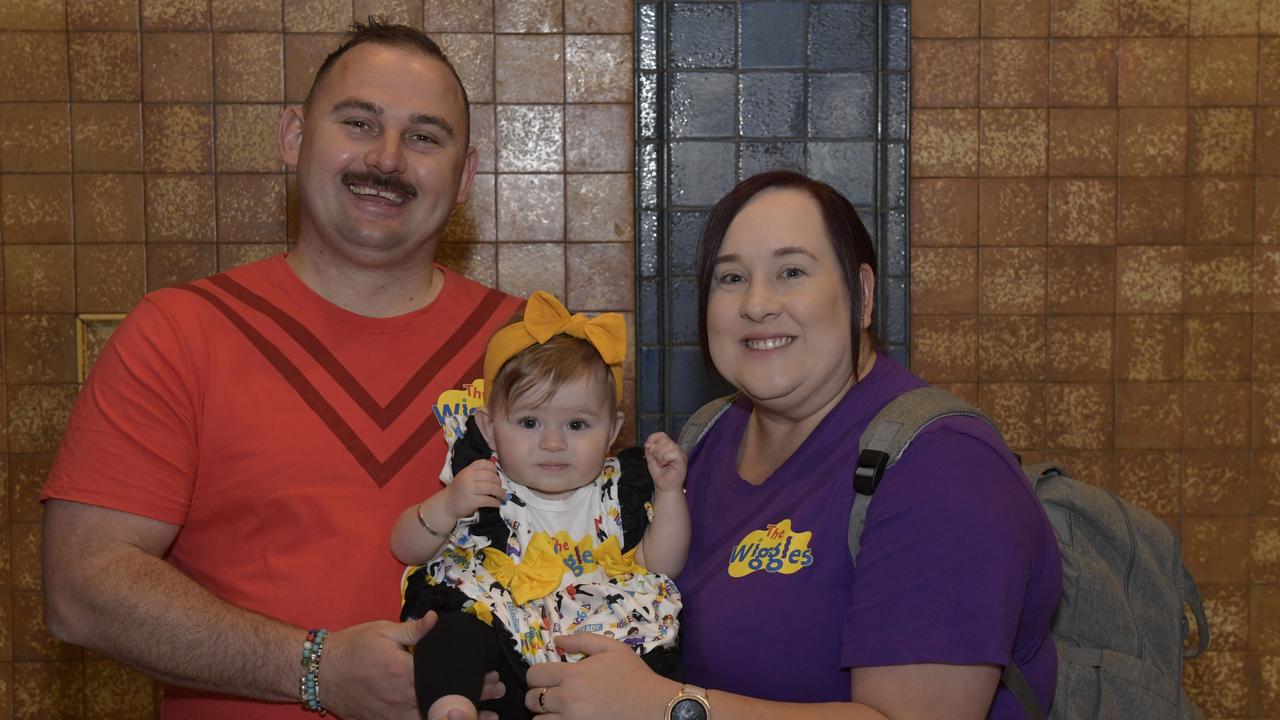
x,y
871,466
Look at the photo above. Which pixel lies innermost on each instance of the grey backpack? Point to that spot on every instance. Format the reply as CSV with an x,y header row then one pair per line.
x,y
1120,627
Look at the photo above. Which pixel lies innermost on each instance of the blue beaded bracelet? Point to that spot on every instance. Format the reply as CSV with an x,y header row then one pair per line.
x,y
309,685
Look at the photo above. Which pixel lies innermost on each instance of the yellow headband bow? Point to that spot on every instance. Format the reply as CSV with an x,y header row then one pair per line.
x,y
544,318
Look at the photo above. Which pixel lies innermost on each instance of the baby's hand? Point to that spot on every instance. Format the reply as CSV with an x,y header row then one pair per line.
x,y
666,462
475,487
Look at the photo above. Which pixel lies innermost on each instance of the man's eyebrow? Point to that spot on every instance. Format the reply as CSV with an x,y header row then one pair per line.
x,y
358,104
420,119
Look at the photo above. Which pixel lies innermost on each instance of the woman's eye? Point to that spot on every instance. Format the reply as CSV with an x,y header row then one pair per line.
x,y
731,278
792,272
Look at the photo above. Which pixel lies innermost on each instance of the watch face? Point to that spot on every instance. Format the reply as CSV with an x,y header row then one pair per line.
x,y
688,709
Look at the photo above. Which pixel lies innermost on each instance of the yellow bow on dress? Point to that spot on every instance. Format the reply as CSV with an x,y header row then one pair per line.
x,y
544,318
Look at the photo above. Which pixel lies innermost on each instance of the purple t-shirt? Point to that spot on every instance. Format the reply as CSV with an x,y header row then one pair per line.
x,y
958,562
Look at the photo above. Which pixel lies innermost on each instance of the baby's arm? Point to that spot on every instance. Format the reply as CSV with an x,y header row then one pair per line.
x,y
475,487
665,545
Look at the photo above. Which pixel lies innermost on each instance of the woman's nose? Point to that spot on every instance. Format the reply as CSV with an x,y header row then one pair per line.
x,y
759,303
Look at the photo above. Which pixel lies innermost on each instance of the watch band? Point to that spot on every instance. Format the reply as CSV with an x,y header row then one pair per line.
x,y
690,703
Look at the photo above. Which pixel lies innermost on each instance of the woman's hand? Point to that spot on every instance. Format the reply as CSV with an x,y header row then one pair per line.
x,y
612,681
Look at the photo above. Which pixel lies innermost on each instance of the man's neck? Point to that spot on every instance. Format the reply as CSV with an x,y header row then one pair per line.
x,y
370,291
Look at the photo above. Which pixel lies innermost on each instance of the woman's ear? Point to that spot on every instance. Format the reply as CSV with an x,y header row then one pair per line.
x,y
484,421
867,283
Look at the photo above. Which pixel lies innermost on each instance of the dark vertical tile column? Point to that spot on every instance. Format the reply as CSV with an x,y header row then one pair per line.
x,y
730,89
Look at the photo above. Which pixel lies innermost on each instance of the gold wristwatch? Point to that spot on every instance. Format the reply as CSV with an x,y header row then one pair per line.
x,y
690,704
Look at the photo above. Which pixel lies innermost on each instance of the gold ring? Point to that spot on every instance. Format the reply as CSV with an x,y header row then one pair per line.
x,y
542,697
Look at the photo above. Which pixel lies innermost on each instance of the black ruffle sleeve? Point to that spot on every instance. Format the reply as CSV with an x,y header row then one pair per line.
x,y
466,450
635,490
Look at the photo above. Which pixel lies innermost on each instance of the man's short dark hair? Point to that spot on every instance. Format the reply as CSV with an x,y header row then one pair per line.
x,y
384,33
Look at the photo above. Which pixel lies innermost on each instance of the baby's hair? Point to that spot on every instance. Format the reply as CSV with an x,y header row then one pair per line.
x,y
546,368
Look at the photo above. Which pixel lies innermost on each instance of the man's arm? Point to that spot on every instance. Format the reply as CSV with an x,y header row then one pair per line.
x,y
108,588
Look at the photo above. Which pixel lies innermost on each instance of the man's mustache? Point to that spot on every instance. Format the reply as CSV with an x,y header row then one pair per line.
x,y
389,183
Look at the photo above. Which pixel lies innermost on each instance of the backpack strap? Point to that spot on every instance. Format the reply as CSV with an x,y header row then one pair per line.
x,y
698,424
1191,596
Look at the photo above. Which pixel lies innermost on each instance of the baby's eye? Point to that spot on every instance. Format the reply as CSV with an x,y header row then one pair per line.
x,y
578,425
528,423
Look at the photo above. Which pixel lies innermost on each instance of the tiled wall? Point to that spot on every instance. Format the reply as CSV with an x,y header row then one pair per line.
x,y
1095,231
137,151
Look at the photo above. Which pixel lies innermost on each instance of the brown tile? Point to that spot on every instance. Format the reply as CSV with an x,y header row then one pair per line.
x,y
1011,280
118,692
1149,348
529,68
1015,18
32,640
1266,415
944,281
529,16
946,18
102,14
1080,348
246,138
38,279
107,208
246,15
1220,211
472,260
1217,279
1150,479
457,16
175,14
1153,141
1218,684
944,73
1218,347
1227,609
1014,73
1269,18
33,66
944,212
1082,142
35,137
39,15
1079,18
303,53
1224,17
1088,466
317,16
1018,409
1216,550
109,278
180,208
248,67
472,56
600,208
944,348
1148,416
587,263
1217,415
1269,71
597,16
404,12
1223,71
1266,346
1082,280
1264,631
1266,482
1153,17
1266,279
1269,689
1079,415
530,207
27,475
598,68
92,337
597,138
944,143
35,209
1267,215
1014,143
40,348
531,138
1152,211
1082,212
1011,211
1083,72
104,66
1265,549
1149,279
233,255
37,416
1217,482
177,138
475,220
525,267
1011,348
1268,141
1153,72
107,137
177,67
52,690
175,264
484,137
251,208
1221,141
24,549
967,392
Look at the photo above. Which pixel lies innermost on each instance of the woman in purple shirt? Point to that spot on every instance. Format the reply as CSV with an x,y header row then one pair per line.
x,y
958,572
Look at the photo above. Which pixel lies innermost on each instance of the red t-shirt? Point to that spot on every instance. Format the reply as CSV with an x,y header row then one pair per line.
x,y
282,433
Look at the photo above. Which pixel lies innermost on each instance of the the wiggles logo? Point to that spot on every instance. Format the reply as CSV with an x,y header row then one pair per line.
x,y
776,549
453,407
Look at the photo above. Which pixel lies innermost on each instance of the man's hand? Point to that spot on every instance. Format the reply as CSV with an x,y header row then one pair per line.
x,y
667,462
475,487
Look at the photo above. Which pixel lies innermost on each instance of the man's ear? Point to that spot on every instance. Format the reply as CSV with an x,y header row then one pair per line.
x,y
289,135
469,165
867,281
484,421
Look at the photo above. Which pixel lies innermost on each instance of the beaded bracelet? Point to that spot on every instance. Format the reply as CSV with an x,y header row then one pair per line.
x,y
309,685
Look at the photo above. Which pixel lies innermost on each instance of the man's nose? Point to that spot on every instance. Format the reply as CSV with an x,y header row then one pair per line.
x,y
387,155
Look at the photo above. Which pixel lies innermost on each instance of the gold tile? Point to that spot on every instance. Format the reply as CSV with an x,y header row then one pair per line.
x,y
1266,482
27,475
1224,17
403,12
1014,73
1015,18
529,68
175,15
1269,18
944,73
40,348
1149,348
597,138
178,263
1079,18
1217,415
1084,72
944,143
1011,281
1082,212
1227,609
177,138
33,66
107,208
48,690
1218,347
1223,71
472,55
104,66
1267,211
1153,17
525,267
118,692
109,278
177,67
598,68
1152,211
1011,348
472,260
247,138
946,18
1213,685
597,16
102,14
1149,279
180,208
1216,550
1080,348
303,16
462,16
1012,211
475,220
588,263
35,209
944,348
35,137
944,281
1153,72
1220,211
37,416
1150,479
944,212
251,208
530,208
1148,416
1152,141
1082,142
1266,415
530,138
1266,279
1269,71
1221,141
1082,280
600,208
1268,141
246,15
303,54
1018,409
38,279
1014,143
107,137
233,255
248,67
93,330
1266,346
528,16
1264,633
1079,416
